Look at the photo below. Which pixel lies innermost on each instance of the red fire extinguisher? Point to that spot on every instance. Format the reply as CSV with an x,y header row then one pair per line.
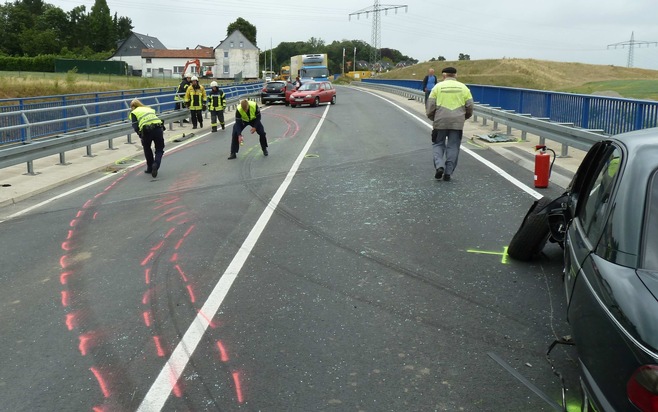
x,y
543,165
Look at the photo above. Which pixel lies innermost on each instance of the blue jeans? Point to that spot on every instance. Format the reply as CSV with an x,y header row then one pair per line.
x,y
445,147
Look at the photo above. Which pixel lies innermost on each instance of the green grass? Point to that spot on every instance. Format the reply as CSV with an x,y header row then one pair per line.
x,y
637,89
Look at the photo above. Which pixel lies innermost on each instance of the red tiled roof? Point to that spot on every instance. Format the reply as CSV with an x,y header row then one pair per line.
x,y
204,53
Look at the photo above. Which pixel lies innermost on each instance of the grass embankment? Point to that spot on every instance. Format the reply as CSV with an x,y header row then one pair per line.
x,y
545,75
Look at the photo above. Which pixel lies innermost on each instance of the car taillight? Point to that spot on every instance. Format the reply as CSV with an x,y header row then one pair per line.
x,y
264,89
642,388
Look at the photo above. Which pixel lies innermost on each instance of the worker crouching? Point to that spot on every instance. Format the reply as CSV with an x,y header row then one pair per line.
x,y
248,114
151,131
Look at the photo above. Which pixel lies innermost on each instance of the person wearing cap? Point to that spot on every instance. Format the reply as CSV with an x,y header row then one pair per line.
x,y
195,100
216,106
449,105
150,130
248,114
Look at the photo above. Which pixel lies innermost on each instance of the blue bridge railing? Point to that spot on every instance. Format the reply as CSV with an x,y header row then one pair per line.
x,y
611,114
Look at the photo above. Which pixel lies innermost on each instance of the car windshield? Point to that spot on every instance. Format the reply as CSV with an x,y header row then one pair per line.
x,y
310,86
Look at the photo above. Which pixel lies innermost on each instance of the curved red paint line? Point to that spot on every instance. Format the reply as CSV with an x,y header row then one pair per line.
x,y
223,356
63,277
238,387
169,232
180,272
147,276
190,291
158,346
101,381
71,321
66,246
65,298
85,341
147,318
62,261
147,258
174,217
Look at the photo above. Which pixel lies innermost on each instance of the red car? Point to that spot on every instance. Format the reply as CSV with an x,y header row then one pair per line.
x,y
313,93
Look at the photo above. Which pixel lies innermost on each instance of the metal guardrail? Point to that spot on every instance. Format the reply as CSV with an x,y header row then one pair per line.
x,y
60,144
565,134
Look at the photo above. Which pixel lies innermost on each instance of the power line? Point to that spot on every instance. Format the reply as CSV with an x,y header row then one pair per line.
x,y
376,9
632,43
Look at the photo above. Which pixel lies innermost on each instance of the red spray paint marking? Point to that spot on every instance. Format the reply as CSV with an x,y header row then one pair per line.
x,y
175,385
69,235
66,246
147,318
79,214
87,204
191,293
179,243
166,212
73,222
95,215
71,321
170,232
181,273
99,409
174,217
174,258
147,296
238,387
164,203
223,356
65,298
63,277
85,342
101,381
209,321
158,246
147,258
188,231
158,346
62,262
147,276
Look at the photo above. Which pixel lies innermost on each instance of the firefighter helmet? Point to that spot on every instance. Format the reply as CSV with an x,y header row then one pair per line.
x,y
213,84
195,78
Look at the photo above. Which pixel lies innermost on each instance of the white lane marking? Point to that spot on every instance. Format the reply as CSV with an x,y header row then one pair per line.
x,y
476,156
172,370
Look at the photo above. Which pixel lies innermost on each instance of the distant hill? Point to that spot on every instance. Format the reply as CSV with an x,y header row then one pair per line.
x,y
544,75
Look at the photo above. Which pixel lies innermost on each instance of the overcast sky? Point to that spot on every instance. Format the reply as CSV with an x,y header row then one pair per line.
x,y
558,30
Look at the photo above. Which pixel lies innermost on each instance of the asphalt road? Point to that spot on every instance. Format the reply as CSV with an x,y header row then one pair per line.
x,y
334,274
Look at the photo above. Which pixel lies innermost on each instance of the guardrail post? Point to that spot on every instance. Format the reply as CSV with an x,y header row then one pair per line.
x,y
110,144
89,154
565,150
129,138
62,159
30,168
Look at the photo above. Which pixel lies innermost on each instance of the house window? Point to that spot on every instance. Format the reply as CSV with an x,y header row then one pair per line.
x,y
241,44
178,69
148,70
226,69
231,45
226,55
148,60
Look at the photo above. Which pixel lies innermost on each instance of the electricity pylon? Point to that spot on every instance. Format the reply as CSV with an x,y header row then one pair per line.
x,y
375,9
631,46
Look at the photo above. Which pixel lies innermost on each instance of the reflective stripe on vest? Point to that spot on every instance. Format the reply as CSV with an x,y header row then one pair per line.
x,y
145,116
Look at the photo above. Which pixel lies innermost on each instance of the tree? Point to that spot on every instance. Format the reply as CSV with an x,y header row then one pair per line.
x,y
246,28
441,59
463,56
102,33
123,27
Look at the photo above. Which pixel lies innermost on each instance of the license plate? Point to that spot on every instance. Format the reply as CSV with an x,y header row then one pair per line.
x,y
299,100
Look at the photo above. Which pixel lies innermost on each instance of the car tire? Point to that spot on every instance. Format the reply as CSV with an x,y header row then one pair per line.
x,y
316,102
533,234
287,103
333,99
293,105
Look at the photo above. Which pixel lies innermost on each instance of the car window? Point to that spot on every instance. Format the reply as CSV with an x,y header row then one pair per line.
x,y
649,255
597,195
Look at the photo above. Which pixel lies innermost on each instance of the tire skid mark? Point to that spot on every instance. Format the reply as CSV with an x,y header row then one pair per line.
x,y
178,225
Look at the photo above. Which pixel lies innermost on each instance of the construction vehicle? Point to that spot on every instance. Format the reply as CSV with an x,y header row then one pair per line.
x,y
285,73
202,71
310,67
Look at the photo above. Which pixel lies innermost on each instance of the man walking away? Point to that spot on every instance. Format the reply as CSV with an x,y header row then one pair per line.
x,y
150,130
248,114
450,104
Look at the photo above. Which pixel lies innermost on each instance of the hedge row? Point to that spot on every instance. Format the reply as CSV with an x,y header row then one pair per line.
x,y
44,63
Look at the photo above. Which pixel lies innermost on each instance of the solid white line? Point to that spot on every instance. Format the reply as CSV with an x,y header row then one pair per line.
x,y
172,370
477,157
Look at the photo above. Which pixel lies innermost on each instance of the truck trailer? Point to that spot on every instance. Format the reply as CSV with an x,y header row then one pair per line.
x,y
310,67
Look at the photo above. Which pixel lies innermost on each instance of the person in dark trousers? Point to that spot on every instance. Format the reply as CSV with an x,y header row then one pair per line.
x,y
428,84
150,130
180,93
216,106
248,114
450,104
195,100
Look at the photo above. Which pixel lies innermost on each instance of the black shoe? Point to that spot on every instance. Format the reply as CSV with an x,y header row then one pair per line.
x,y
232,156
148,171
439,173
154,172
223,127
214,129
200,125
446,178
193,127
265,152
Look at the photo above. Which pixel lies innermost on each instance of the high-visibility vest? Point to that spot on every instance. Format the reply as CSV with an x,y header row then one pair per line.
x,y
216,100
195,97
145,116
252,112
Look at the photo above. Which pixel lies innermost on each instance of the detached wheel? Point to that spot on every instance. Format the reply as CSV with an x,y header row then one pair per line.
x,y
533,234
333,99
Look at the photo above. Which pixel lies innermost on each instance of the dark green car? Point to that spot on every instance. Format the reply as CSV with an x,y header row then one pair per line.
x,y
607,223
